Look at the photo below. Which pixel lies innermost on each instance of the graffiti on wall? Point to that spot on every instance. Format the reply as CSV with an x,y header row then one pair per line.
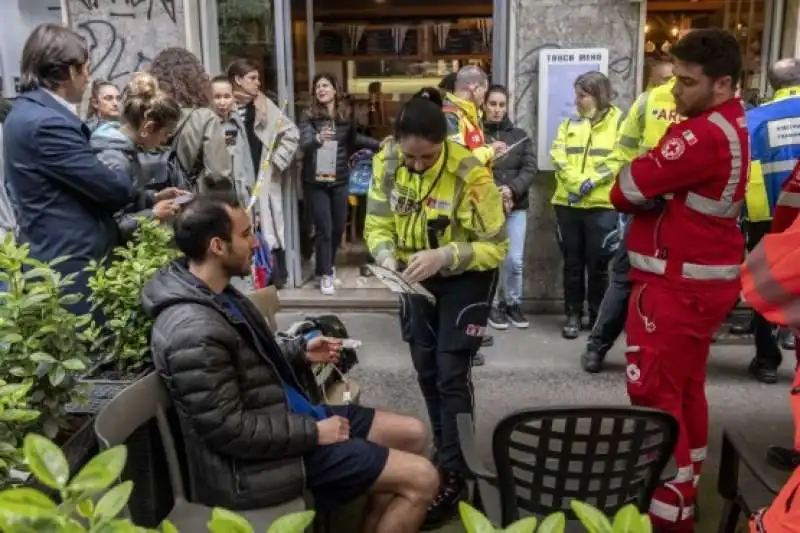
x,y
621,67
124,35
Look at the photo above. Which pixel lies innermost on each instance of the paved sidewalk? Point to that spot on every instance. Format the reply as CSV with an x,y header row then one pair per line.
x,y
536,367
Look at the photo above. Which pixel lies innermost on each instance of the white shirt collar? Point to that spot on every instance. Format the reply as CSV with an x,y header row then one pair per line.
x,y
61,101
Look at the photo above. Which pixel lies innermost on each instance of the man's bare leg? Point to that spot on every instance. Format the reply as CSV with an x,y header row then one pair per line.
x,y
398,432
406,488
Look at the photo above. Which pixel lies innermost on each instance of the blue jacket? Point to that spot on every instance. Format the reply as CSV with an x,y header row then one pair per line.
x,y
775,147
64,197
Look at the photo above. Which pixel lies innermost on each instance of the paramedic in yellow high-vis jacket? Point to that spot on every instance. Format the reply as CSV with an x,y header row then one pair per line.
x,y
463,111
584,213
435,213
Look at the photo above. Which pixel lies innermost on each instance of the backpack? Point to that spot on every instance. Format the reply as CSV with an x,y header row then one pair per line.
x,y
360,172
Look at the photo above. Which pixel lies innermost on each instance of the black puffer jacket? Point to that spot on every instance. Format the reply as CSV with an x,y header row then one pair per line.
x,y
518,168
244,447
348,141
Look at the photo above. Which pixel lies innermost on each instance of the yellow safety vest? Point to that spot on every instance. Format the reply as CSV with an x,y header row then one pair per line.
x,y
648,120
457,192
468,129
578,150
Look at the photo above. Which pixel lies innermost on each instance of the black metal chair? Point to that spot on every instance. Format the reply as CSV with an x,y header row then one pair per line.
x,y
735,452
603,456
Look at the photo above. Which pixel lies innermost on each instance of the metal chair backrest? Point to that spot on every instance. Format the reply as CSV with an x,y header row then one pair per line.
x,y
603,456
139,403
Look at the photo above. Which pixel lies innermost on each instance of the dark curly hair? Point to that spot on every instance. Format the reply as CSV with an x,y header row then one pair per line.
x,y
181,75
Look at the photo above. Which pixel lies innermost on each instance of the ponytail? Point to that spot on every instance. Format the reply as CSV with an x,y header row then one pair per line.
x,y
422,116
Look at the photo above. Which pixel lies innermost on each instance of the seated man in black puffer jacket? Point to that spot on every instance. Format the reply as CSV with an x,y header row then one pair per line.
x,y
253,437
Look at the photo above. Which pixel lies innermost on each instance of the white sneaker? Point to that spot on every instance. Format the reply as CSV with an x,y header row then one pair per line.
x,y
326,285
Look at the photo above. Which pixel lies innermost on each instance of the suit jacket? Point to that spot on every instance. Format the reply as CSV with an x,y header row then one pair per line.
x,y
65,198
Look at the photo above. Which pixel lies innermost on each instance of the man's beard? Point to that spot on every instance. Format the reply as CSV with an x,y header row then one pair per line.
x,y
236,269
699,107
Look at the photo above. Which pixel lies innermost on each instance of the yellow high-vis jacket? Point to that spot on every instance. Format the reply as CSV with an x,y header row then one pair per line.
x,y
579,149
457,195
464,126
650,116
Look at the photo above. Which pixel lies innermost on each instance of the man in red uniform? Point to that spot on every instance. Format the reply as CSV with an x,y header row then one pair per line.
x,y
685,248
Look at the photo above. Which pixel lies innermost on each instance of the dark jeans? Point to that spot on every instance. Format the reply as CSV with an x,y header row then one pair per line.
x,y
582,234
443,339
768,353
614,308
328,208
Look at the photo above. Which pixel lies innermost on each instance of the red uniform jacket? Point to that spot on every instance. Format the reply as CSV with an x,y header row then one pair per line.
x,y
699,170
788,205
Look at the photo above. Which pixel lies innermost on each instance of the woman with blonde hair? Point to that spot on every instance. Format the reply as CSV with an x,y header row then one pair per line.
x,y
584,212
148,117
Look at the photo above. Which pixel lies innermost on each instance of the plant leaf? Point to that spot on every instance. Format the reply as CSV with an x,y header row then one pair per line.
x,y
41,357
627,520
292,523
224,521
526,525
168,527
103,470
57,376
46,461
115,526
74,364
86,508
554,523
593,520
113,501
19,416
25,503
473,520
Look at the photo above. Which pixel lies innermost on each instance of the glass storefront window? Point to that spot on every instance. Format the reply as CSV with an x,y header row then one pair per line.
x,y
247,30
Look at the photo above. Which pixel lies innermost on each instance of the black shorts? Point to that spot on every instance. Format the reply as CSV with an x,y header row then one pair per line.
x,y
339,473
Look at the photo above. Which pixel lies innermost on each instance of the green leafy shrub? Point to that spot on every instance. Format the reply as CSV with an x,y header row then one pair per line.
x,y
15,417
41,342
116,290
92,502
627,520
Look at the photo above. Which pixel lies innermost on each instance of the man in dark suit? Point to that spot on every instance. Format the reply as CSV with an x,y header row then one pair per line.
x,y
64,197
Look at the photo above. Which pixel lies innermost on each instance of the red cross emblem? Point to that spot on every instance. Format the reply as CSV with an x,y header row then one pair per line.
x,y
673,149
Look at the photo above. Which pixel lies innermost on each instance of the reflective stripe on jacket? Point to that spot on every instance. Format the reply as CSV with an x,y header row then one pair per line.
x,y
686,195
647,122
464,127
455,202
775,139
579,149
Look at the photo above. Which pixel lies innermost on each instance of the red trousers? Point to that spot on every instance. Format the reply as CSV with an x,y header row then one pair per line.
x,y
669,332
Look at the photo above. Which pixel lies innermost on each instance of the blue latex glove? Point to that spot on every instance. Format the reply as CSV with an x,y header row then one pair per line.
x,y
573,198
586,187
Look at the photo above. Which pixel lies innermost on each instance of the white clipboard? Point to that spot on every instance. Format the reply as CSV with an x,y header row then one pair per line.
x,y
394,282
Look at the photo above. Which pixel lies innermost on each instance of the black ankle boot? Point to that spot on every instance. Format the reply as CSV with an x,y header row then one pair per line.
x,y
571,327
445,506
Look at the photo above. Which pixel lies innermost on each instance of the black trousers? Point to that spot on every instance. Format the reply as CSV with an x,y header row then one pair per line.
x,y
613,310
582,234
328,208
443,339
768,353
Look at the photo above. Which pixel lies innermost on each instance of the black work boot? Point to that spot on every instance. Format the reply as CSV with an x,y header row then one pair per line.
x,y
487,341
478,359
445,505
592,360
783,458
572,327
762,373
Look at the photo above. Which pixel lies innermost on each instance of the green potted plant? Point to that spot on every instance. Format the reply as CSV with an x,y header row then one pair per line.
x,y
627,520
91,501
15,417
122,343
44,345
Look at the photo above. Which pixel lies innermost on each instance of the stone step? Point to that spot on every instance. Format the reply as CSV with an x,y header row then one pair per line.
x,y
361,300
